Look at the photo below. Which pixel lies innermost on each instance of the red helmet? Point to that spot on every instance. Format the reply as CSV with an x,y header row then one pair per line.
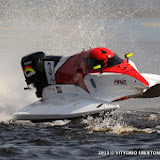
x,y
101,53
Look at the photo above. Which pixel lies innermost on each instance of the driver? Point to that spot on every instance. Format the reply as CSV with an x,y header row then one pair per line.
x,y
100,57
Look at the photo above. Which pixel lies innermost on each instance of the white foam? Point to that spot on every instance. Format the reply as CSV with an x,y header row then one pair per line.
x,y
117,126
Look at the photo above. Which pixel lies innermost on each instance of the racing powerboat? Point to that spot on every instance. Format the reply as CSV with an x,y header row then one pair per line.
x,y
85,83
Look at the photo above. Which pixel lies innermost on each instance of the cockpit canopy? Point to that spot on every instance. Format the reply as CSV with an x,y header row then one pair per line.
x,y
97,64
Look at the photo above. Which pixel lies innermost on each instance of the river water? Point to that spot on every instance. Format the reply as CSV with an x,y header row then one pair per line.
x,y
64,28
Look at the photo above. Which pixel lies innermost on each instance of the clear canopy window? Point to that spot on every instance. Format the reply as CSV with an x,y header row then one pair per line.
x,y
104,63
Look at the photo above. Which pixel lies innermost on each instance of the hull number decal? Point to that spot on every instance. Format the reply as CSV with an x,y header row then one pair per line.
x,y
49,69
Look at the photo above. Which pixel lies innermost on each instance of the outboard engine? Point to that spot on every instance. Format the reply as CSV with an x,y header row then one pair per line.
x,y
39,70
34,71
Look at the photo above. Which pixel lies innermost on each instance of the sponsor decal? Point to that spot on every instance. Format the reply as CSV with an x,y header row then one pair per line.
x,y
120,82
29,71
27,63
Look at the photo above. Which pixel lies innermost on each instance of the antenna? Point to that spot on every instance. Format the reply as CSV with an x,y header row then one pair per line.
x,y
128,55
